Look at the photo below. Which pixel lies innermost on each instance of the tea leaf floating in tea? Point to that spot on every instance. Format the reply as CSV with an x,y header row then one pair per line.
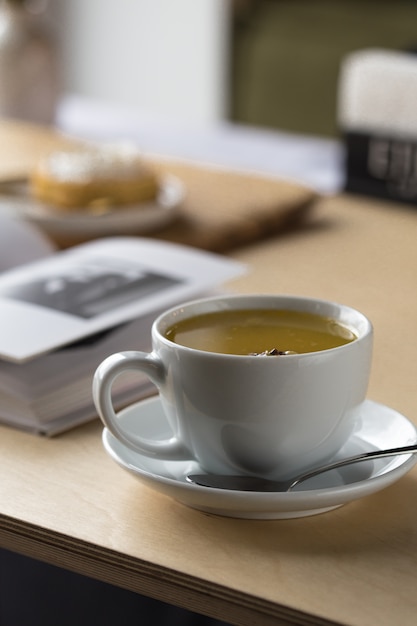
x,y
273,352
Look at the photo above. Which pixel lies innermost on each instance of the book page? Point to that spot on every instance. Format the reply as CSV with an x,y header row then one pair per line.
x,y
95,286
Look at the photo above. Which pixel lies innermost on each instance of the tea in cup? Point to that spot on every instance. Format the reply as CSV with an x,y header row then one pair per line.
x,y
266,385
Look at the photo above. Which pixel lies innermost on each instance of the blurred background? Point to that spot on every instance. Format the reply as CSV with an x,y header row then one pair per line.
x,y
171,57
202,79
271,63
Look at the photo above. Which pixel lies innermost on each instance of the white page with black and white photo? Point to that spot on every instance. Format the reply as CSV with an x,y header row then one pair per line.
x,y
92,287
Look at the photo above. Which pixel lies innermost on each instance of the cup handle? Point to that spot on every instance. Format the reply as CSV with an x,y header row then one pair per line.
x,y
106,373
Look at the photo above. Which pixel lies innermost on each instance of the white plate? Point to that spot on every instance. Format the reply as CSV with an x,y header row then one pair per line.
x,y
140,219
379,427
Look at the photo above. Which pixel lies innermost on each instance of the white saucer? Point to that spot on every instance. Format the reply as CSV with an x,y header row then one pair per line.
x,y
378,427
142,218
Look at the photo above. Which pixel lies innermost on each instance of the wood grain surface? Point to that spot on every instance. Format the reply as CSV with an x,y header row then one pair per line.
x,y
65,501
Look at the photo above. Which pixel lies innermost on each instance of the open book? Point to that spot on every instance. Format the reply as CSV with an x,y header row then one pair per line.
x,y
63,312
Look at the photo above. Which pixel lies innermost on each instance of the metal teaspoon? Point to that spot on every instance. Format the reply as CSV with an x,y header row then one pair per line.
x,y
255,483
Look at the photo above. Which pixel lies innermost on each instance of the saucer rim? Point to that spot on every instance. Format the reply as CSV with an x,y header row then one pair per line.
x,y
263,504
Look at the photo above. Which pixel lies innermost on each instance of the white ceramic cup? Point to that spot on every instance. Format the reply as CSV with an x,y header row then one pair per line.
x,y
270,416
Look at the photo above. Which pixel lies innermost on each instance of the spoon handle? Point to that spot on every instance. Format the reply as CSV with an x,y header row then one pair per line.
x,y
364,456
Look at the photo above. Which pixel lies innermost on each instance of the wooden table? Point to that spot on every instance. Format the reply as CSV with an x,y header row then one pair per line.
x,y
64,501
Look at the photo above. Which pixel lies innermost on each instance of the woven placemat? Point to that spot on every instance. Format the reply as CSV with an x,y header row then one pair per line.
x,y
222,209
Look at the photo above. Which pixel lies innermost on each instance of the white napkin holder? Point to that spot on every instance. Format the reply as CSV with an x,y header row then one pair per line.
x,y
377,115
